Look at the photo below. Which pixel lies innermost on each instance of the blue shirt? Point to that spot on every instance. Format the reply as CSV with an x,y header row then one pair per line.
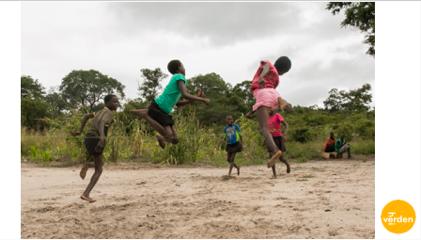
x,y
233,133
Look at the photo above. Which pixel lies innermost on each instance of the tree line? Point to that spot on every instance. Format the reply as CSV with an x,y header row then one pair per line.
x,y
83,91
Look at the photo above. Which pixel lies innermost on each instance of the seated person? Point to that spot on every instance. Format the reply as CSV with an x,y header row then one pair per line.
x,y
341,146
329,150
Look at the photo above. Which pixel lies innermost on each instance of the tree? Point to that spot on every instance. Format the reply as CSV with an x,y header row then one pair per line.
x,y
357,100
85,88
151,83
211,84
360,15
333,103
242,90
31,88
56,103
34,108
215,88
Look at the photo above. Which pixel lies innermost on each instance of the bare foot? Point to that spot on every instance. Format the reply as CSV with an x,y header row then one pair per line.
x,y
161,141
288,169
83,171
90,200
273,159
238,171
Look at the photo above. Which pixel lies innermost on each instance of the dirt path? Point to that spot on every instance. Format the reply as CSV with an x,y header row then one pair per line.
x,y
319,199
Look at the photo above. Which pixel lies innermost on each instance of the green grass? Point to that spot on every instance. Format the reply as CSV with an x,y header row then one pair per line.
x,y
198,144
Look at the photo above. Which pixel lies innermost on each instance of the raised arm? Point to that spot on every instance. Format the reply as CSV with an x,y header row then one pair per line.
x,y
186,101
263,74
188,96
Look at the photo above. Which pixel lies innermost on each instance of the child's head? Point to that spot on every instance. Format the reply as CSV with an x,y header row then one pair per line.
x,y
271,112
332,136
282,65
175,66
111,101
229,119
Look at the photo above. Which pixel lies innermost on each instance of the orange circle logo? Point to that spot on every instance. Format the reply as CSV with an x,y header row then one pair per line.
x,y
398,216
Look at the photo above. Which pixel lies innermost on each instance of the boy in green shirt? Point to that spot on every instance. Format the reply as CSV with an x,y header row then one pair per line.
x,y
158,113
341,147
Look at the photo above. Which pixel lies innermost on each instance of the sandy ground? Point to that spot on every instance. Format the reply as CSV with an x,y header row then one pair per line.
x,y
319,199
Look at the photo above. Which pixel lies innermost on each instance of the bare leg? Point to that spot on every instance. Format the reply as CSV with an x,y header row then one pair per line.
x,y
161,141
95,177
86,165
348,150
238,169
274,171
282,159
230,169
164,131
230,161
262,117
174,135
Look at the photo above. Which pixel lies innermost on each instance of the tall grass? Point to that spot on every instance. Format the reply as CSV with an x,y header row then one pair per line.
x,y
197,144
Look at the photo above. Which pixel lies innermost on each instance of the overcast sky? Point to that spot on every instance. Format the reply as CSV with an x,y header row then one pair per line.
x,y
118,39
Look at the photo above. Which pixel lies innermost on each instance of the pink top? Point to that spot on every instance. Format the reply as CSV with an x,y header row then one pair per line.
x,y
271,78
274,124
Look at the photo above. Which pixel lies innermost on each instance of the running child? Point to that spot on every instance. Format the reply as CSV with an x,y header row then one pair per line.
x,y
158,113
278,127
263,88
95,141
234,142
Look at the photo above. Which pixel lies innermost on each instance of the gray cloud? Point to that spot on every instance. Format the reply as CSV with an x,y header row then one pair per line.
x,y
227,38
219,23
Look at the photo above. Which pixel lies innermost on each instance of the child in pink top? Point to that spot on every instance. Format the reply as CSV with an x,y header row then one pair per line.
x,y
277,127
267,98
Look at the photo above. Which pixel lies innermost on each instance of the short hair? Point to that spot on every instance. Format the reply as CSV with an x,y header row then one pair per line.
x,y
282,65
108,98
173,66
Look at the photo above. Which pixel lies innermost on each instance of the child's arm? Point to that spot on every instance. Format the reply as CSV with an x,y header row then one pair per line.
x,y
183,102
85,119
186,101
264,72
107,118
190,97
101,142
284,128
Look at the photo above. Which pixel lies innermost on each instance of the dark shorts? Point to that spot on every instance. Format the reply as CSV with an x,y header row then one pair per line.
x,y
280,143
160,116
234,148
91,143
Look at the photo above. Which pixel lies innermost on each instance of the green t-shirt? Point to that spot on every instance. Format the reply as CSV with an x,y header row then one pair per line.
x,y
171,95
339,143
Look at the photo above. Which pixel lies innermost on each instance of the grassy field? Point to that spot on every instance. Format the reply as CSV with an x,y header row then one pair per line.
x,y
132,140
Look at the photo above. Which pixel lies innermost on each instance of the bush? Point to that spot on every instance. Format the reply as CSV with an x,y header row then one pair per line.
x,y
198,144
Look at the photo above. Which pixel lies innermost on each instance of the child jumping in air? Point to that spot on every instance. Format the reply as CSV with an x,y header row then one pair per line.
x,y
234,142
95,141
158,113
263,88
